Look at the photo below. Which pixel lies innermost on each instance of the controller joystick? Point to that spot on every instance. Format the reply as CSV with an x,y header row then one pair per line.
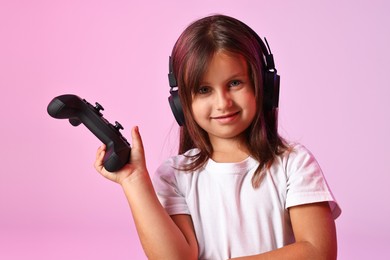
x,y
79,111
98,107
118,126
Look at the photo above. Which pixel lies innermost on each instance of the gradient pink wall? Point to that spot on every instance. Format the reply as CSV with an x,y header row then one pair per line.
x,y
332,57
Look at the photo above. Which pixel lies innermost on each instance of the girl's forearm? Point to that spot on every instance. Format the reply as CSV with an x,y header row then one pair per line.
x,y
159,235
298,250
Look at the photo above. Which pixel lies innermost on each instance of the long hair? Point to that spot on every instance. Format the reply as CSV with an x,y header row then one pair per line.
x,y
192,52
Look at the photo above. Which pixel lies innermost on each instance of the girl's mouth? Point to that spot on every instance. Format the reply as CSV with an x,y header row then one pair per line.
x,y
226,118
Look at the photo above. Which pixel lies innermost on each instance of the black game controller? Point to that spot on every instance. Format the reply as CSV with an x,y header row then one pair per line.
x,y
79,111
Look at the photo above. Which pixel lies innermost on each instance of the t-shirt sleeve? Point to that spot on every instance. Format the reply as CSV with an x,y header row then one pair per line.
x,y
306,182
168,191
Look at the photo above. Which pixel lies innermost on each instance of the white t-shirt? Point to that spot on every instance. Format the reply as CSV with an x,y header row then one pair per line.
x,y
231,218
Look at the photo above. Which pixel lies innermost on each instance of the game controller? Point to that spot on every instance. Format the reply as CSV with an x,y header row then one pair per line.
x,y
79,111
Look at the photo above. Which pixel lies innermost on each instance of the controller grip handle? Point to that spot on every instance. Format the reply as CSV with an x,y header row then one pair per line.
x,y
65,106
115,160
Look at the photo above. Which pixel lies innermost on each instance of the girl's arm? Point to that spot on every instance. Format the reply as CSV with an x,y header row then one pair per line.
x,y
161,236
315,235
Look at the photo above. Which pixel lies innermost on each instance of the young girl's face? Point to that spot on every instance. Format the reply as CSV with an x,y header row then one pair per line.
x,y
224,104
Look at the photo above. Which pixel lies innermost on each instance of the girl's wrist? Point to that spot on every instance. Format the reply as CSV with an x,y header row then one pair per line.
x,y
136,178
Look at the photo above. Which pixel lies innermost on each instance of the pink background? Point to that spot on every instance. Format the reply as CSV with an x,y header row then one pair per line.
x,y
332,57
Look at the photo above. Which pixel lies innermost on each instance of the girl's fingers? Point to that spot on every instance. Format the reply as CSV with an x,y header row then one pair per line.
x,y
135,135
99,158
100,150
99,164
137,151
137,160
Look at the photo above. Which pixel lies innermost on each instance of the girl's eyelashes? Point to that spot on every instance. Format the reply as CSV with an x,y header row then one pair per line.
x,y
203,90
235,83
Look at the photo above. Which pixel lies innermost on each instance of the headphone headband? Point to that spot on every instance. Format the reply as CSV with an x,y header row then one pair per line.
x,y
171,76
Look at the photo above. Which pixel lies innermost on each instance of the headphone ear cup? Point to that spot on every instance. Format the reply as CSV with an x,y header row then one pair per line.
x,y
271,90
176,107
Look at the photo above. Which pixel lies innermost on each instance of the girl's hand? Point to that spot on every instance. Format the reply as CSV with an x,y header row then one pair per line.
x,y
136,167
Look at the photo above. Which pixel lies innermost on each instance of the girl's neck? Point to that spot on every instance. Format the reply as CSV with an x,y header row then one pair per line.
x,y
229,151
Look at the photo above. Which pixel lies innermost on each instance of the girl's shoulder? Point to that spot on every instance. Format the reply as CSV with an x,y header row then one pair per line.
x,y
296,151
182,159
297,157
174,163
168,177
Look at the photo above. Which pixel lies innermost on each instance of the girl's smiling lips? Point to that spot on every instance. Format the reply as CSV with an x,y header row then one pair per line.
x,y
226,118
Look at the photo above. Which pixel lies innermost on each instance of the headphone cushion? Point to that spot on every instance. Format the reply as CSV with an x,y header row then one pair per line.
x,y
176,107
271,90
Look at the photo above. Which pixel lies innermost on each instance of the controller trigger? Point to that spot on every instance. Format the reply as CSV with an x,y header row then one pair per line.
x,y
74,121
118,126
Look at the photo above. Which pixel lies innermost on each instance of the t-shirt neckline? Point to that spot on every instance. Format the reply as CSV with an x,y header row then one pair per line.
x,y
231,167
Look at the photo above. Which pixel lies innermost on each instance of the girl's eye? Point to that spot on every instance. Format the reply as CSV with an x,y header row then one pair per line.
x,y
203,90
235,83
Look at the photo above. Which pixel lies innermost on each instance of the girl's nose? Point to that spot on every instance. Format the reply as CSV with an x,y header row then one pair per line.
x,y
223,100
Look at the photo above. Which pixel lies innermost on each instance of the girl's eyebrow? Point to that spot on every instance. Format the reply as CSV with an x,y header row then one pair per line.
x,y
238,75
233,76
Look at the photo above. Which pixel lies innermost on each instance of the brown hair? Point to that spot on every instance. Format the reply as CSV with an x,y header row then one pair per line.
x,y
190,56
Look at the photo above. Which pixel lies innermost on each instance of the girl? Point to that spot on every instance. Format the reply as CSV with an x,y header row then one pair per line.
x,y
236,189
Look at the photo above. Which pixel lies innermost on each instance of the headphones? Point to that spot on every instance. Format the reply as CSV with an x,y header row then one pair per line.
x,y
271,83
